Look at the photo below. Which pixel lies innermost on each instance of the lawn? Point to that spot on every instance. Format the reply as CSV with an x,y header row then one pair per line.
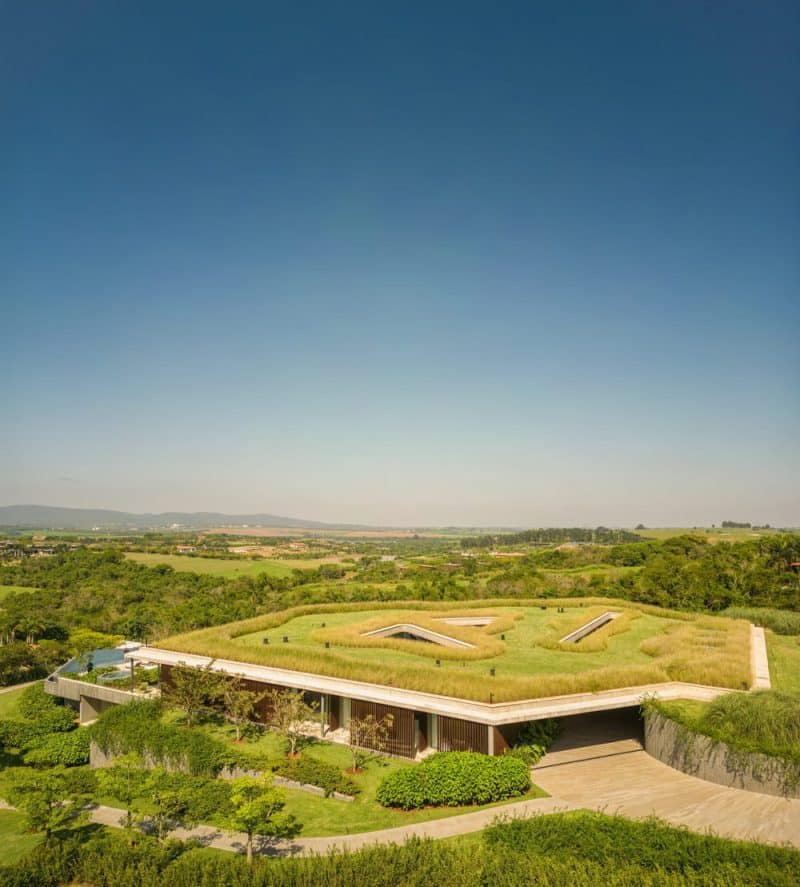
x,y
6,590
644,645
229,568
9,701
712,534
784,661
15,842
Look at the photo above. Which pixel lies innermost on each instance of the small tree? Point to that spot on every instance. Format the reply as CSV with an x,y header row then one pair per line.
x,y
83,641
239,703
193,690
49,800
369,737
170,795
257,807
288,712
124,779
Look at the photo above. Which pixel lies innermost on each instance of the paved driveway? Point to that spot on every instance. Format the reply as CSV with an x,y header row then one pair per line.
x,y
599,763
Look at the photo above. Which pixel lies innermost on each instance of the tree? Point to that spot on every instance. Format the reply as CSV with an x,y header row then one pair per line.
x,y
368,737
170,795
83,641
49,800
193,690
239,703
289,713
124,779
257,807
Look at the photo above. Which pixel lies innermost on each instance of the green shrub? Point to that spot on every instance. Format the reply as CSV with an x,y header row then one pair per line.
x,y
310,771
70,749
534,739
614,841
780,621
137,727
453,779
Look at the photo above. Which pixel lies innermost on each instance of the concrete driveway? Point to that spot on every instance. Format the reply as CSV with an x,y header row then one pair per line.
x,y
599,763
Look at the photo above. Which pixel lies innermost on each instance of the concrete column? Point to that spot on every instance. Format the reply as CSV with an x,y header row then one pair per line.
x,y
490,745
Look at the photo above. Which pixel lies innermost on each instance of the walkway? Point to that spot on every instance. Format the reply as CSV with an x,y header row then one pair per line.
x,y
436,828
596,764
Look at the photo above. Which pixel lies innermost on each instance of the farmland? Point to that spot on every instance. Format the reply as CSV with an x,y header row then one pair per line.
x,y
229,568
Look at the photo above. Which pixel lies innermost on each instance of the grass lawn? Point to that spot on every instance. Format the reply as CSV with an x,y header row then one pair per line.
x,y
784,661
9,702
226,567
712,534
6,590
14,841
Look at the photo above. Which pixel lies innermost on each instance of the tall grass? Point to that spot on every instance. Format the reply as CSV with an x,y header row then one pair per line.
x,y
484,646
780,621
679,653
766,721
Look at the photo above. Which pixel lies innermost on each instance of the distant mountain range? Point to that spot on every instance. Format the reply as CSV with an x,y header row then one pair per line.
x,y
47,517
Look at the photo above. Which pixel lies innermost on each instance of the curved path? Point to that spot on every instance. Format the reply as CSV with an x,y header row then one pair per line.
x,y
598,765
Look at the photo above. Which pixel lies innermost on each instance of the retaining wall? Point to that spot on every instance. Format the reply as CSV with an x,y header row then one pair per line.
x,y
698,755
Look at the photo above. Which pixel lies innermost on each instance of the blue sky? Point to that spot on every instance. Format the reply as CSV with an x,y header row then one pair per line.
x,y
427,264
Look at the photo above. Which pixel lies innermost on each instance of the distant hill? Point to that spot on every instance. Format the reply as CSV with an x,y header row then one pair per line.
x,y
46,517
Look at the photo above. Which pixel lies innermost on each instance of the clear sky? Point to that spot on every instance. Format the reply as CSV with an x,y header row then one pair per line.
x,y
417,263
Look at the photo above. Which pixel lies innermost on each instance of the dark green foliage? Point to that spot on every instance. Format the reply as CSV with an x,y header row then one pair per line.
x,y
552,536
137,727
780,621
67,749
561,850
453,779
534,739
42,720
615,841
310,771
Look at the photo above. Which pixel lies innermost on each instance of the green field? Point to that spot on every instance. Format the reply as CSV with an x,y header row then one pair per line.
x,y
644,645
784,661
15,841
229,568
9,700
712,534
6,590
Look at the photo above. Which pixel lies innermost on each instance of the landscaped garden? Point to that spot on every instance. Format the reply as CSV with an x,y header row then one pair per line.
x,y
521,646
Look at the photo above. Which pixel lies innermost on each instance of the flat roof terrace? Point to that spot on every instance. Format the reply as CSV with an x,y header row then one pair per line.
x,y
510,651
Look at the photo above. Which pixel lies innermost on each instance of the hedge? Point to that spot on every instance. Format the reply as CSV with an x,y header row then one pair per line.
x,y
311,771
561,850
137,727
70,749
455,779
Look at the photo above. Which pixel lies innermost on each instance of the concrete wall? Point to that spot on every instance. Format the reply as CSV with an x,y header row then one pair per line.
x,y
713,761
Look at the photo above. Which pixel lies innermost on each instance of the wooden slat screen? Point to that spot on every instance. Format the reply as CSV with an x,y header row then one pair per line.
x,y
401,739
458,735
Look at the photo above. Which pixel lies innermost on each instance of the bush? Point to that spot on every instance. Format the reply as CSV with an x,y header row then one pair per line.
x,y
534,739
137,727
454,779
69,749
310,771
613,841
